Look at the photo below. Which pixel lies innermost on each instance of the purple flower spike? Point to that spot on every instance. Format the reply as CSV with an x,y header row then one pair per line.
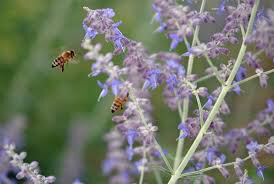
x,y
104,91
184,129
100,22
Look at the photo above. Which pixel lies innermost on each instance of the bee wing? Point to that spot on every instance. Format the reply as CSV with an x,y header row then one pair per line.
x,y
74,61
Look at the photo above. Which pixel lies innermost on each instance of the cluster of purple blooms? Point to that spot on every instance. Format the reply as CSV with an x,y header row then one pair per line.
x,y
132,144
12,163
141,71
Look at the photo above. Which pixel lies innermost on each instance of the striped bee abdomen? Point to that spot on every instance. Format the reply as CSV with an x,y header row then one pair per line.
x,y
117,104
55,63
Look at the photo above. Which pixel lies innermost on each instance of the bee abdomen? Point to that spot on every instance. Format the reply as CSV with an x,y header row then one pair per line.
x,y
115,107
117,104
55,63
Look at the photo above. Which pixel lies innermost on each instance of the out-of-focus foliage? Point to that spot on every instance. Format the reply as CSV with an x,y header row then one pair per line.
x,y
33,33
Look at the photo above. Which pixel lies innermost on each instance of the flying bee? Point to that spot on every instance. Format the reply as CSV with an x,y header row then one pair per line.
x,y
62,59
118,102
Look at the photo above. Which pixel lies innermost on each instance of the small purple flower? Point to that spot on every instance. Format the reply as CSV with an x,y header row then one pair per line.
x,y
209,102
221,7
262,77
175,40
104,91
172,82
184,129
115,85
270,105
259,171
237,89
157,153
224,171
210,154
199,166
77,182
253,147
141,164
131,136
130,152
202,91
107,166
180,70
90,33
152,79
241,74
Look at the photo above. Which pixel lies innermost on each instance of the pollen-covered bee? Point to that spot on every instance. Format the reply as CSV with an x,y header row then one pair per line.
x,y
118,102
62,59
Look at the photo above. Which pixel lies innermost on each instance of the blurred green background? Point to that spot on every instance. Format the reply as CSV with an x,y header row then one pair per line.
x,y
33,33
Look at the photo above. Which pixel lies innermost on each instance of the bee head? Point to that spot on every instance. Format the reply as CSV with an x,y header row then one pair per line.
x,y
72,53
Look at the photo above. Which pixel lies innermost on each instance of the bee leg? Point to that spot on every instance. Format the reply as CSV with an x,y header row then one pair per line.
x,y
62,67
122,108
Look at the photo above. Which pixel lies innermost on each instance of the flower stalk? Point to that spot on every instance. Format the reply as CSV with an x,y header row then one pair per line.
x,y
219,101
180,144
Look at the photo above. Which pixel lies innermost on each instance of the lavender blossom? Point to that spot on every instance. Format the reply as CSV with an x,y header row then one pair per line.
x,y
263,34
263,77
29,171
237,16
178,20
116,164
100,22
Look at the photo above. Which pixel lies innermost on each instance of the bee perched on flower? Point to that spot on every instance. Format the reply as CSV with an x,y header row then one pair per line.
x,y
119,101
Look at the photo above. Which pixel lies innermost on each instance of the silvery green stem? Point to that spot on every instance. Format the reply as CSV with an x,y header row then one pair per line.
x,y
219,101
180,144
250,78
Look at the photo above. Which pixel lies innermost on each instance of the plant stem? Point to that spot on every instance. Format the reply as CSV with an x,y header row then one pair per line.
x,y
219,101
180,144
217,166
157,176
204,78
211,168
200,108
214,68
250,78
143,167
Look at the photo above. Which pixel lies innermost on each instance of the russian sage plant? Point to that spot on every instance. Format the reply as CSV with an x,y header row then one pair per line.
x,y
133,149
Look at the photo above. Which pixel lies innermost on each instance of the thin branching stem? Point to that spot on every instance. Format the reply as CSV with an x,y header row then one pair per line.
x,y
219,100
180,144
250,78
